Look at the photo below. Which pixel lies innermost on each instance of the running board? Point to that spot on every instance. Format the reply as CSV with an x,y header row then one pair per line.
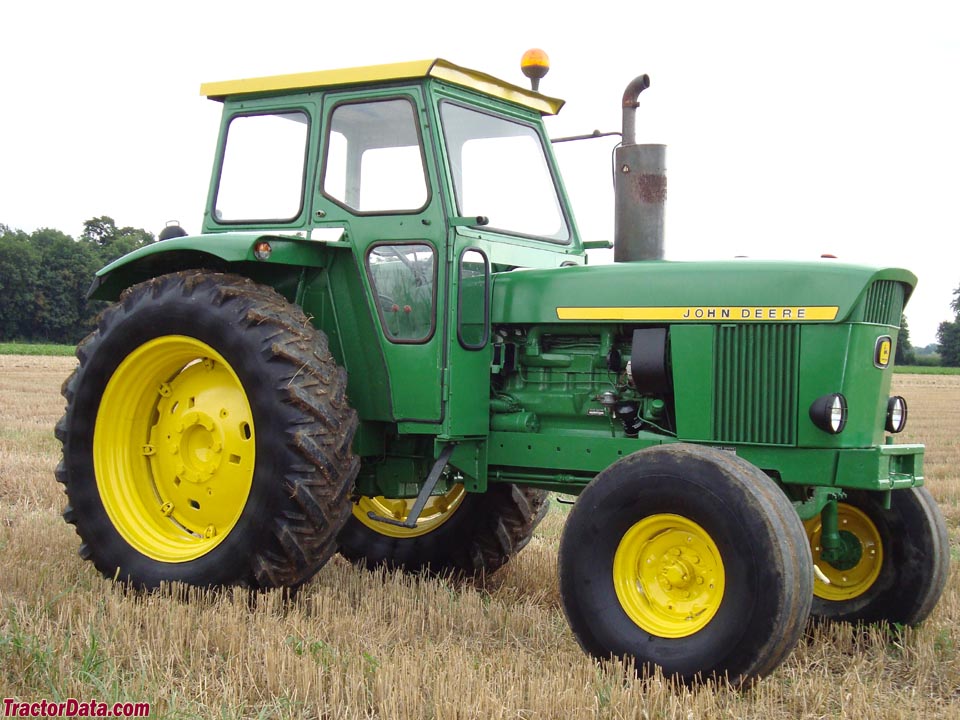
x,y
423,496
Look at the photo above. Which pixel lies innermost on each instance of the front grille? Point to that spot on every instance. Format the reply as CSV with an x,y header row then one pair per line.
x,y
884,303
755,385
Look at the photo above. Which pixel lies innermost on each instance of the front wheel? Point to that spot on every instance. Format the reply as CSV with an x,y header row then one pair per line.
x,y
689,559
894,562
207,437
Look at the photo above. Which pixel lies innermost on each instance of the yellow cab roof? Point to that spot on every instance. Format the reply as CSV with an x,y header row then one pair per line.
x,y
440,69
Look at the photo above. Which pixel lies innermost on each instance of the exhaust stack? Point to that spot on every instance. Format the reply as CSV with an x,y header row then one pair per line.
x,y
640,188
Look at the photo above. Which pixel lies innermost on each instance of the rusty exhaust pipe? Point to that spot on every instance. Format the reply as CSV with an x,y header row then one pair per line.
x,y
640,188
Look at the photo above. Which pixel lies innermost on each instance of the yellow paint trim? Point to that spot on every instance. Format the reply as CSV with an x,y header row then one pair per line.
x,y
320,78
752,313
490,85
668,575
438,68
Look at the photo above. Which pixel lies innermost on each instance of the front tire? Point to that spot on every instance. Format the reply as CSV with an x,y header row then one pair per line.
x,y
207,437
689,559
898,559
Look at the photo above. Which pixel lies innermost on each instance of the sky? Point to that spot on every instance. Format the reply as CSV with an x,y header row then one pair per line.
x,y
793,129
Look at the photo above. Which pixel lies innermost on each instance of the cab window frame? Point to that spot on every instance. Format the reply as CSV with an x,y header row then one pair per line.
x,y
325,154
222,154
549,160
486,300
375,295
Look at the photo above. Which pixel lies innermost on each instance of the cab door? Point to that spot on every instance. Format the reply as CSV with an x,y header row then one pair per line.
x,y
377,184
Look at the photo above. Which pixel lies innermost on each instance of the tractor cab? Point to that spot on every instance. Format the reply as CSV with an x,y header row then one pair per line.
x,y
423,145
423,178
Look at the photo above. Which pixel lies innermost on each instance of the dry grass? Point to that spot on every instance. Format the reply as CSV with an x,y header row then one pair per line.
x,y
373,645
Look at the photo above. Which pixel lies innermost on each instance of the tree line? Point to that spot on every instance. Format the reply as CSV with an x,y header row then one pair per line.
x,y
45,275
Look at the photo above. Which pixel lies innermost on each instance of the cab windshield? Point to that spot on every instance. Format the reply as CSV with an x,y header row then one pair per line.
x,y
500,170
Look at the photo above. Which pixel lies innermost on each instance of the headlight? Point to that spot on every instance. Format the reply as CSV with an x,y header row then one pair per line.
x,y
829,413
896,414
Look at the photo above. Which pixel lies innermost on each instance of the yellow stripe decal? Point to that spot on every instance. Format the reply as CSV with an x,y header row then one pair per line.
x,y
700,313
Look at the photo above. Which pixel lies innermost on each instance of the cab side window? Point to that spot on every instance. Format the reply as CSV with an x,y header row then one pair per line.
x,y
262,172
473,303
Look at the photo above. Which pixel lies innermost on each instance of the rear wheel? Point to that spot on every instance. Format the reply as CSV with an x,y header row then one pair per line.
x,y
458,532
894,562
207,437
689,559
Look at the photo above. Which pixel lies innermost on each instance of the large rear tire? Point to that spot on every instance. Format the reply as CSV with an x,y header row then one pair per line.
x,y
688,559
897,563
207,437
459,533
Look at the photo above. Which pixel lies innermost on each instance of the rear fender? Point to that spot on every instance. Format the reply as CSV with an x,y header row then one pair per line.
x,y
222,252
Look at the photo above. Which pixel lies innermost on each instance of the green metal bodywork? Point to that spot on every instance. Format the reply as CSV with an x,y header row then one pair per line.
x,y
749,345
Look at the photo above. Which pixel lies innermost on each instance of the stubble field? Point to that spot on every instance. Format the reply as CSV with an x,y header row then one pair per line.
x,y
356,644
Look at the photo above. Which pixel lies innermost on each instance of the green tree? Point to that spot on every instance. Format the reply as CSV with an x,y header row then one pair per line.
x,y
44,278
19,266
905,354
948,335
65,272
112,242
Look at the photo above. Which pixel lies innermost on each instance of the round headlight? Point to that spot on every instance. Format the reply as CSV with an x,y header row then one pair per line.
x,y
896,414
829,413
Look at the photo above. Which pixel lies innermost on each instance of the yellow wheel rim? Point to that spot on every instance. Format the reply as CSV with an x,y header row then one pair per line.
x,y
851,582
437,511
173,449
668,576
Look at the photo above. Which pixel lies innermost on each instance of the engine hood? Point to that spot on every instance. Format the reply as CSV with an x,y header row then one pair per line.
x,y
665,291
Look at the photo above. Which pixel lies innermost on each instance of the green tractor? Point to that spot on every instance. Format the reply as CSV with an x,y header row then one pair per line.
x,y
387,342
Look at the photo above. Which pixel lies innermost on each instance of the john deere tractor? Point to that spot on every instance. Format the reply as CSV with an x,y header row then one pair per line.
x,y
387,342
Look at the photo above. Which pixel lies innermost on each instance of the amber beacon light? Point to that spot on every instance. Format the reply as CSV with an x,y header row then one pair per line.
x,y
535,64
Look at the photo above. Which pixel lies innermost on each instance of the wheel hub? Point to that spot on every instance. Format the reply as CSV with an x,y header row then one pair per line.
x,y
676,572
668,576
198,441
